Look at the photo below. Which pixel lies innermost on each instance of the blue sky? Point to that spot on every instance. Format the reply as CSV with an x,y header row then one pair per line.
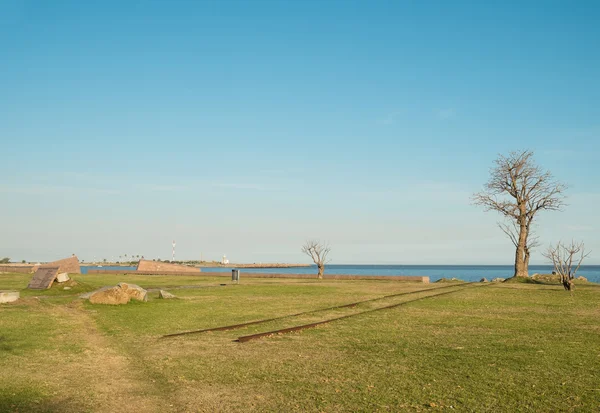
x,y
245,128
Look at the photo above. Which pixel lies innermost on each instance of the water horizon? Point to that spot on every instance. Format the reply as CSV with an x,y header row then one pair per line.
x,y
434,272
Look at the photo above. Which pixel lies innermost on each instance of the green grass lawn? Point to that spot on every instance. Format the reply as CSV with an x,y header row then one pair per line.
x,y
497,347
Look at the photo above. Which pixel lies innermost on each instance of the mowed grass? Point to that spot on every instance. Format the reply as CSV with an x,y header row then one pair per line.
x,y
495,347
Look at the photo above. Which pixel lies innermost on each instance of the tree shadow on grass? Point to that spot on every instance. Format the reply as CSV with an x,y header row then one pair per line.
x,y
4,346
30,400
530,280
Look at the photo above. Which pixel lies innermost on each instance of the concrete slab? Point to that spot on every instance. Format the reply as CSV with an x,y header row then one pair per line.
x,y
43,278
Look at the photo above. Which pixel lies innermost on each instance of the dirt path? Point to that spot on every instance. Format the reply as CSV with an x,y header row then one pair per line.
x,y
102,379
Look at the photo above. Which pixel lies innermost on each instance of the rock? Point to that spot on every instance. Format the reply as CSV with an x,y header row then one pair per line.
x,y
498,280
119,294
62,277
67,288
454,279
90,293
9,296
110,295
582,278
483,280
165,294
134,291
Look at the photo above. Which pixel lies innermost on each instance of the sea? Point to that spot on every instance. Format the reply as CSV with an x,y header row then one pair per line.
x,y
434,272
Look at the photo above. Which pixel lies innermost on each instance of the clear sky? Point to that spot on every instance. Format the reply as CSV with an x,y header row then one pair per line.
x,y
246,127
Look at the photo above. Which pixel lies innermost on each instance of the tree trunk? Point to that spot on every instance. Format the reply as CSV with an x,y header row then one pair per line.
x,y
521,255
321,271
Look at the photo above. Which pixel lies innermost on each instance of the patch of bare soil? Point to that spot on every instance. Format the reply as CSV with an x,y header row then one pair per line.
x,y
99,379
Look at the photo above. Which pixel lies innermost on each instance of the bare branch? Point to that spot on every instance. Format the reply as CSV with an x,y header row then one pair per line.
x,y
318,252
564,257
511,231
518,189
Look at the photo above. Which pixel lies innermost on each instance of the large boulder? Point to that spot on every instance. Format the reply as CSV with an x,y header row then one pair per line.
x,y
134,291
110,295
119,294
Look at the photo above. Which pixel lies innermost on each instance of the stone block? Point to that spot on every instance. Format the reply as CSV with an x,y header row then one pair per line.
x,y
62,277
69,265
165,294
9,296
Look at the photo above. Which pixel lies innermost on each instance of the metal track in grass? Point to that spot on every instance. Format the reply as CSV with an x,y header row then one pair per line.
x,y
244,339
241,325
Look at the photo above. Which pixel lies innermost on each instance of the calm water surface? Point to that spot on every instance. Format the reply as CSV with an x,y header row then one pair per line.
x,y
435,272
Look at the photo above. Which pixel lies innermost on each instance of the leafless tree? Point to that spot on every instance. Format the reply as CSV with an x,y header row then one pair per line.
x,y
519,189
318,251
511,229
564,257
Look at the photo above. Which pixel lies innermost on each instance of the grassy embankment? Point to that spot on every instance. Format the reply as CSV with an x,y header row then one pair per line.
x,y
500,347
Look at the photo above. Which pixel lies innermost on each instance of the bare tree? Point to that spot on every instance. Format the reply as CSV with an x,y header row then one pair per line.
x,y
519,189
564,257
318,251
511,229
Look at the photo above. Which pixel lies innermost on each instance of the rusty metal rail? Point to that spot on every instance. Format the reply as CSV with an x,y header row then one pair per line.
x,y
244,339
234,326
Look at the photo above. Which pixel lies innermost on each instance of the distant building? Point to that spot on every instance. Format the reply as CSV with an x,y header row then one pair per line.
x,y
224,260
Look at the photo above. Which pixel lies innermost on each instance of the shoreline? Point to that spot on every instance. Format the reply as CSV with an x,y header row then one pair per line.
x,y
253,265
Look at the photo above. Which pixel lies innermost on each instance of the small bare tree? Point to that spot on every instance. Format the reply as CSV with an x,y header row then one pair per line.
x,y
564,257
519,189
318,251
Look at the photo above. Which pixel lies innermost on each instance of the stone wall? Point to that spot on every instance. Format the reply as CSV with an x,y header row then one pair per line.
x,y
158,266
68,265
26,269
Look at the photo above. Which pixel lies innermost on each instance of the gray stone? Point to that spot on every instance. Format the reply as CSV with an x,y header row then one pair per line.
x,y
62,277
498,280
9,296
582,278
483,280
165,294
